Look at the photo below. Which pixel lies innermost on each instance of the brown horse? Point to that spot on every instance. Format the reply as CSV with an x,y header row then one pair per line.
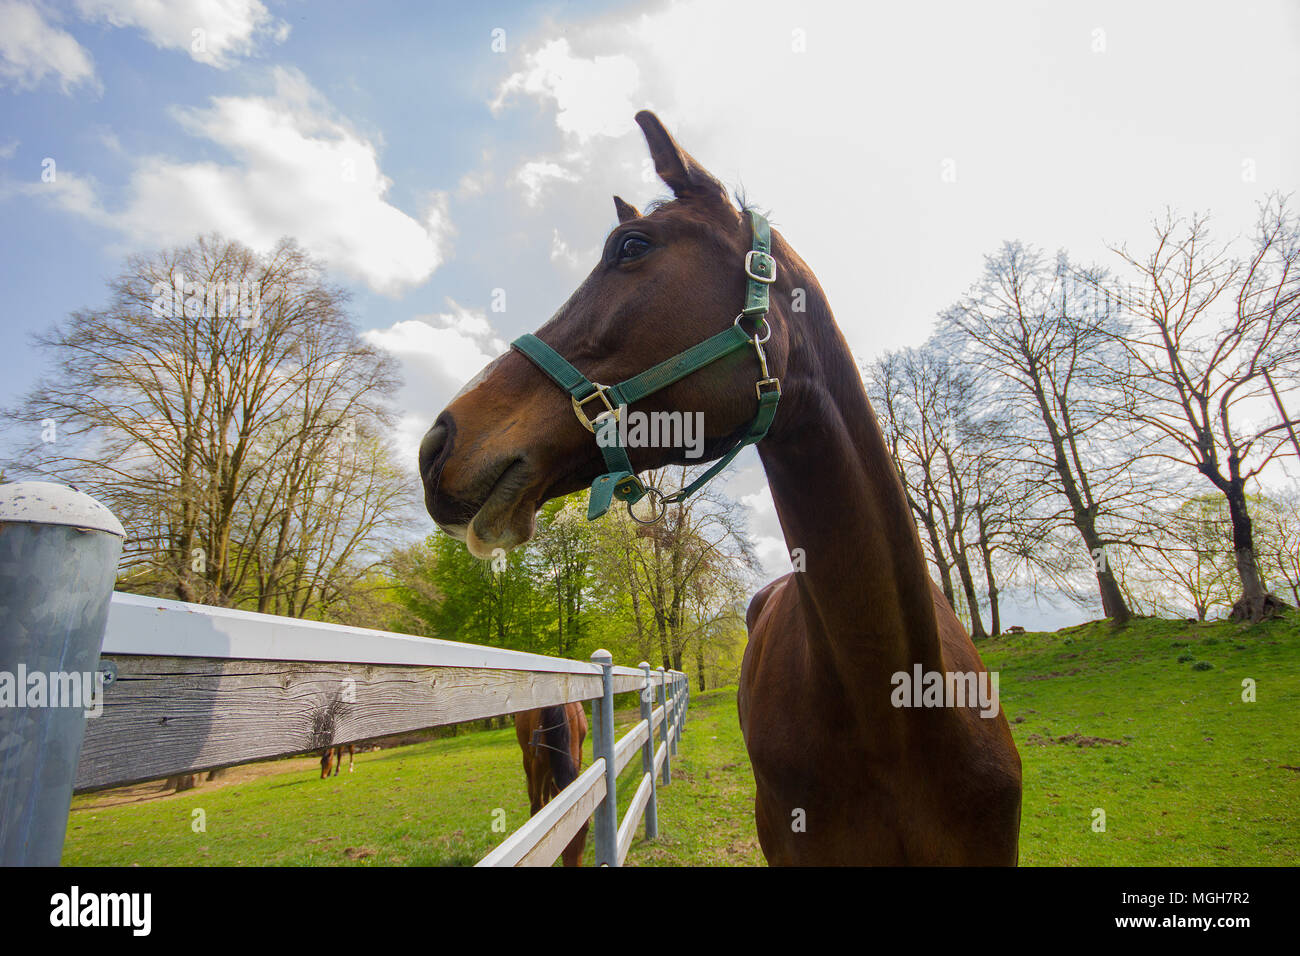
x,y
844,774
332,757
551,739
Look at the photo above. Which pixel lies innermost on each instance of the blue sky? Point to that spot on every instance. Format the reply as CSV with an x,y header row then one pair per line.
x,y
434,153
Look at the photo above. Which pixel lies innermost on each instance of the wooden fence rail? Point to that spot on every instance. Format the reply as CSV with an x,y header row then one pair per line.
x,y
196,688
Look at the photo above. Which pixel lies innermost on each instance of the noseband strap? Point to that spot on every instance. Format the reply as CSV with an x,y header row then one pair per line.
x,y
610,401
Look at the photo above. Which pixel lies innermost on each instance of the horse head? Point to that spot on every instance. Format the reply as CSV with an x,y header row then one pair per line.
x,y
666,281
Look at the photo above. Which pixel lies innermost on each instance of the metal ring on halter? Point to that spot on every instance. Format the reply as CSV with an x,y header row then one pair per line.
x,y
663,508
766,324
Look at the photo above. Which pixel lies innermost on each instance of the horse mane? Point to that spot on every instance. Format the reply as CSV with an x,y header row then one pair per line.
x,y
556,738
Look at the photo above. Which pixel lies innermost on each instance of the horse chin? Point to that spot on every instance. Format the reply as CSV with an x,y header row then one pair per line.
x,y
456,531
498,537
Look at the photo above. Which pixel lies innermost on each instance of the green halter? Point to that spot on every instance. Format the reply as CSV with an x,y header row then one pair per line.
x,y
621,481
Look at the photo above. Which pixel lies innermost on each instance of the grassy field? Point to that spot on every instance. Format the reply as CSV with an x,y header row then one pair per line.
x,y
1145,723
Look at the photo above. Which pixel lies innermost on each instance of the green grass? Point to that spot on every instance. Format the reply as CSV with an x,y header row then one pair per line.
x,y
1197,776
1186,772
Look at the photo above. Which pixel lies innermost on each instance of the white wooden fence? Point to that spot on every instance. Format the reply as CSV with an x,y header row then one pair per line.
x,y
196,688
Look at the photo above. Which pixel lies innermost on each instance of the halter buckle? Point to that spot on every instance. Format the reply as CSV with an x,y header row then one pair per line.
x,y
774,383
766,265
580,411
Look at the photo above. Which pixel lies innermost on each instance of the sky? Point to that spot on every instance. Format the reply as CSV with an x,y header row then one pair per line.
x,y
452,164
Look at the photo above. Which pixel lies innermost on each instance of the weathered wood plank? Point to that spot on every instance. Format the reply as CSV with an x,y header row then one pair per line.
x,y
541,840
170,715
139,625
629,745
633,817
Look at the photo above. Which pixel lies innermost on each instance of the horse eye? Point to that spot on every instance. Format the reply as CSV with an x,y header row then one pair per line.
x,y
632,247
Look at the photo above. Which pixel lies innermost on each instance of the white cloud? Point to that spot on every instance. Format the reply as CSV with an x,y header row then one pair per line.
x,y
473,183
32,48
298,171
748,486
561,251
72,193
593,96
215,32
9,150
439,353
452,346
534,176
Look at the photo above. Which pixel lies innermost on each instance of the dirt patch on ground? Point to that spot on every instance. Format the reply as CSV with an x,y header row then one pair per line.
x,y
1070,673
743,847
1077,740
158,789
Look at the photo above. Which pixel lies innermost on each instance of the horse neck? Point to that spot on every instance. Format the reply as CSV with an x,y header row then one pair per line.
x,y
865,589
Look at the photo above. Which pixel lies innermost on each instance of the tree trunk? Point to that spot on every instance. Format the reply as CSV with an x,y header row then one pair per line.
x,y
977,632
945,569
1113,604
1082,511
1255,603
986,554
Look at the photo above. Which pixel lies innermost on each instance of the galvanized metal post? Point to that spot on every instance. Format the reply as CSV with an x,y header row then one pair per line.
x,y
59,550
675,693
648,755
686,699
665,727
603,743
686,702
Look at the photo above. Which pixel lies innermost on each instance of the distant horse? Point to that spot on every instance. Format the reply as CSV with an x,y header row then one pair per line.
x,y
847,770
551,739
333,757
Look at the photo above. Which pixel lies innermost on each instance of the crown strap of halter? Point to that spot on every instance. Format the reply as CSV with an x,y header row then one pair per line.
x,y
621,481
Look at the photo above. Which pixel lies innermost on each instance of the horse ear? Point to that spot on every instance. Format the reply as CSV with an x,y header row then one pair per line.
x,y
684,176
625,210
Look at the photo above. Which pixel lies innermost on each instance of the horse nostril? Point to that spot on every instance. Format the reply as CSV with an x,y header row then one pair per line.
x,y
432,445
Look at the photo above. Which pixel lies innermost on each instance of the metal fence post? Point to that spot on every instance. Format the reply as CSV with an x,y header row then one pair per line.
x,y
59,550
665,727
677,714
648,754
607,812
686,703
686,699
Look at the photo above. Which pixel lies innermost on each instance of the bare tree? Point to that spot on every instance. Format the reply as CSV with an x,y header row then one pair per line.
x,y
1193,552
956,455
224,406
926,399
1027,323
890,382
1207,332
1279,544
